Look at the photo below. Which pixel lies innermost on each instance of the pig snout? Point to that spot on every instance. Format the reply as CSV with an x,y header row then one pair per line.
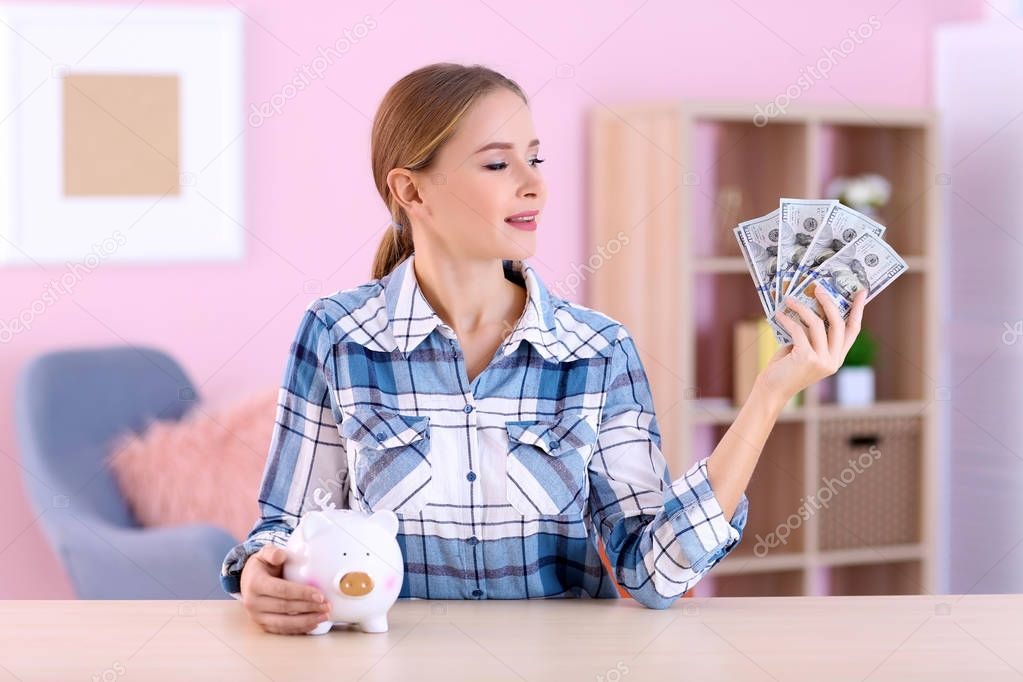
x,y
356,584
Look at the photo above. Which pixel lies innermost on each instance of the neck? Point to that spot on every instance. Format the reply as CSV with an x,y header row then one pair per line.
x,y
471,296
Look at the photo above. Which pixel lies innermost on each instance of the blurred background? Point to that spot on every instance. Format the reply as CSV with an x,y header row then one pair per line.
x,y
179,180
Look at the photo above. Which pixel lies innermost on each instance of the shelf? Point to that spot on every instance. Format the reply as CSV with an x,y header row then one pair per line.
x,y
774,493
884,408
731,110
726,415
736,564
768,584
898,320
719,301
903,577
718,414
743,169
874,555
722,264
901,154
698,169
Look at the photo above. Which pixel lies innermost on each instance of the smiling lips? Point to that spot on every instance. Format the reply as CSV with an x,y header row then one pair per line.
x,y
523,221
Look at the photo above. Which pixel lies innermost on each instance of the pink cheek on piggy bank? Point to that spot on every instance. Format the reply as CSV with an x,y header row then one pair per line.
x,y
391,581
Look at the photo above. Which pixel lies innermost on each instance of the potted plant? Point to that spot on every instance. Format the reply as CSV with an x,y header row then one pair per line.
x,y
854,380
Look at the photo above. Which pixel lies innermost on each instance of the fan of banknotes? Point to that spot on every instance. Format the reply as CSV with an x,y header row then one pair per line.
x,y
808,243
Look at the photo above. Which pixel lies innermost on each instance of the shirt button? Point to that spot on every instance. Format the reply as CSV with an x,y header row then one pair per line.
x,y
381,436
553,444
477,593
467,409
471,475
473,541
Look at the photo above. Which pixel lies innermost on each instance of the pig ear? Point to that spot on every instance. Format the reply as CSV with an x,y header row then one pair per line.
x,y
313,523
297,556
386,519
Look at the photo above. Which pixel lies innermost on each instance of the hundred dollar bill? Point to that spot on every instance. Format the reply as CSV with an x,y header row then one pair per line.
x,y
758,241
868,263
798,223
841,226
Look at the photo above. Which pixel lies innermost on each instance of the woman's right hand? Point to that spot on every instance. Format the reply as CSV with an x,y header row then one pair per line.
x,y
279,606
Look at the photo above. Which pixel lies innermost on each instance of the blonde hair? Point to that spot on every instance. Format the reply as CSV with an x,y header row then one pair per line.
x,y
418,114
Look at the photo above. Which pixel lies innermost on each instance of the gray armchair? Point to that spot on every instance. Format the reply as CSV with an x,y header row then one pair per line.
x,y
69,405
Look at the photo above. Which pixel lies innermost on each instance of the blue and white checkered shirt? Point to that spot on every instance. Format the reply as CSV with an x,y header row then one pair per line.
x,y
501,484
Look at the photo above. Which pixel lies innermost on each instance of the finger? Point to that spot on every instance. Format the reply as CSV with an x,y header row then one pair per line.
x,y
796,331
290,625
855,321
813,323
272,555
267,604
271,586
836,325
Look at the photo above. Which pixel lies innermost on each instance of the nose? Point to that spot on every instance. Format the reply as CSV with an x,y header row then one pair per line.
x,y
356,584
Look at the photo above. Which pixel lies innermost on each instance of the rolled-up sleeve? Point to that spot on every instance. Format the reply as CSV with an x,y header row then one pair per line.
x,y
305,431
660,536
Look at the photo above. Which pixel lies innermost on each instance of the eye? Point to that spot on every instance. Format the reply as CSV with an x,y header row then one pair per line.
x,y
534,162
344,553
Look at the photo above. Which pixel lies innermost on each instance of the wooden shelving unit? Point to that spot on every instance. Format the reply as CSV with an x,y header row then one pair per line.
x,y
668,182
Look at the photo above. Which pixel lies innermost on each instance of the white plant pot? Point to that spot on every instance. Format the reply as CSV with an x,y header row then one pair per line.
x,y
854,386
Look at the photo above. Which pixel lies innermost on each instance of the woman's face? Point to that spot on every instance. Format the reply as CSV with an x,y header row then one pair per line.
x,y
469,192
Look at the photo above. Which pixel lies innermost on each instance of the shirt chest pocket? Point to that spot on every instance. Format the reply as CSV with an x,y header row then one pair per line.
x,y
546,465
389,459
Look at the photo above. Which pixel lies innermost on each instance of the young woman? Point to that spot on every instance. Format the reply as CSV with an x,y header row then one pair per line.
x,y
509,429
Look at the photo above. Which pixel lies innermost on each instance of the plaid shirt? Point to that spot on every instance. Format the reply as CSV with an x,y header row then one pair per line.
x,y
501,484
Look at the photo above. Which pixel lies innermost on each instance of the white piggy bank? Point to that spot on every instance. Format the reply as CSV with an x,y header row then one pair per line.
x,y
353,559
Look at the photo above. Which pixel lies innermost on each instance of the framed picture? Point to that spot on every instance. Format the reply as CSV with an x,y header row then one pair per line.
x,y
121,129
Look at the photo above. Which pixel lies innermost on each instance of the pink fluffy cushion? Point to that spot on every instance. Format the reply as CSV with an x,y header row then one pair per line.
x,y
206,468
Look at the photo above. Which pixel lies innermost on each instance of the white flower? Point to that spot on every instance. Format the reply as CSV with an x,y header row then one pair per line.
x,y
869,189
858,193
880,189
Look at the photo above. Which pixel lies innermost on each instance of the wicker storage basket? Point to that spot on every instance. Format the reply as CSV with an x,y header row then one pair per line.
x,y
874,499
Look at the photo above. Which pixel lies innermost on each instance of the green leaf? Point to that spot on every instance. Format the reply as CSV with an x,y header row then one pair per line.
x,y
863,351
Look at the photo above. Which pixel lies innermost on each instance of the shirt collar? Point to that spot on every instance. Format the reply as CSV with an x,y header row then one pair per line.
x,y
411,317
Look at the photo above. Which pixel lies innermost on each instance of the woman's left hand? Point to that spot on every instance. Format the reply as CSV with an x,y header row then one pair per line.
x,y
814,352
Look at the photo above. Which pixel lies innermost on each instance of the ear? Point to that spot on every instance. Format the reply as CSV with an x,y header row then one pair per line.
x,y
313,523
402,183
387,520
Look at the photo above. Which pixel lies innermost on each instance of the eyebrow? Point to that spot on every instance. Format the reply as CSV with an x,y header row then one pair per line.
x,y
504,145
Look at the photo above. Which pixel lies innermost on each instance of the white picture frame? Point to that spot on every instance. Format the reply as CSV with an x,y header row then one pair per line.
x,y
202,220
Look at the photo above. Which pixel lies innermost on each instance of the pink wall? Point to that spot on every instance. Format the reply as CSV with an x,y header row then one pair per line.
x,y
309,185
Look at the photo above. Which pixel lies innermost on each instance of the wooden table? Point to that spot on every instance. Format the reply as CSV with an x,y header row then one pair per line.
x,y
948,637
